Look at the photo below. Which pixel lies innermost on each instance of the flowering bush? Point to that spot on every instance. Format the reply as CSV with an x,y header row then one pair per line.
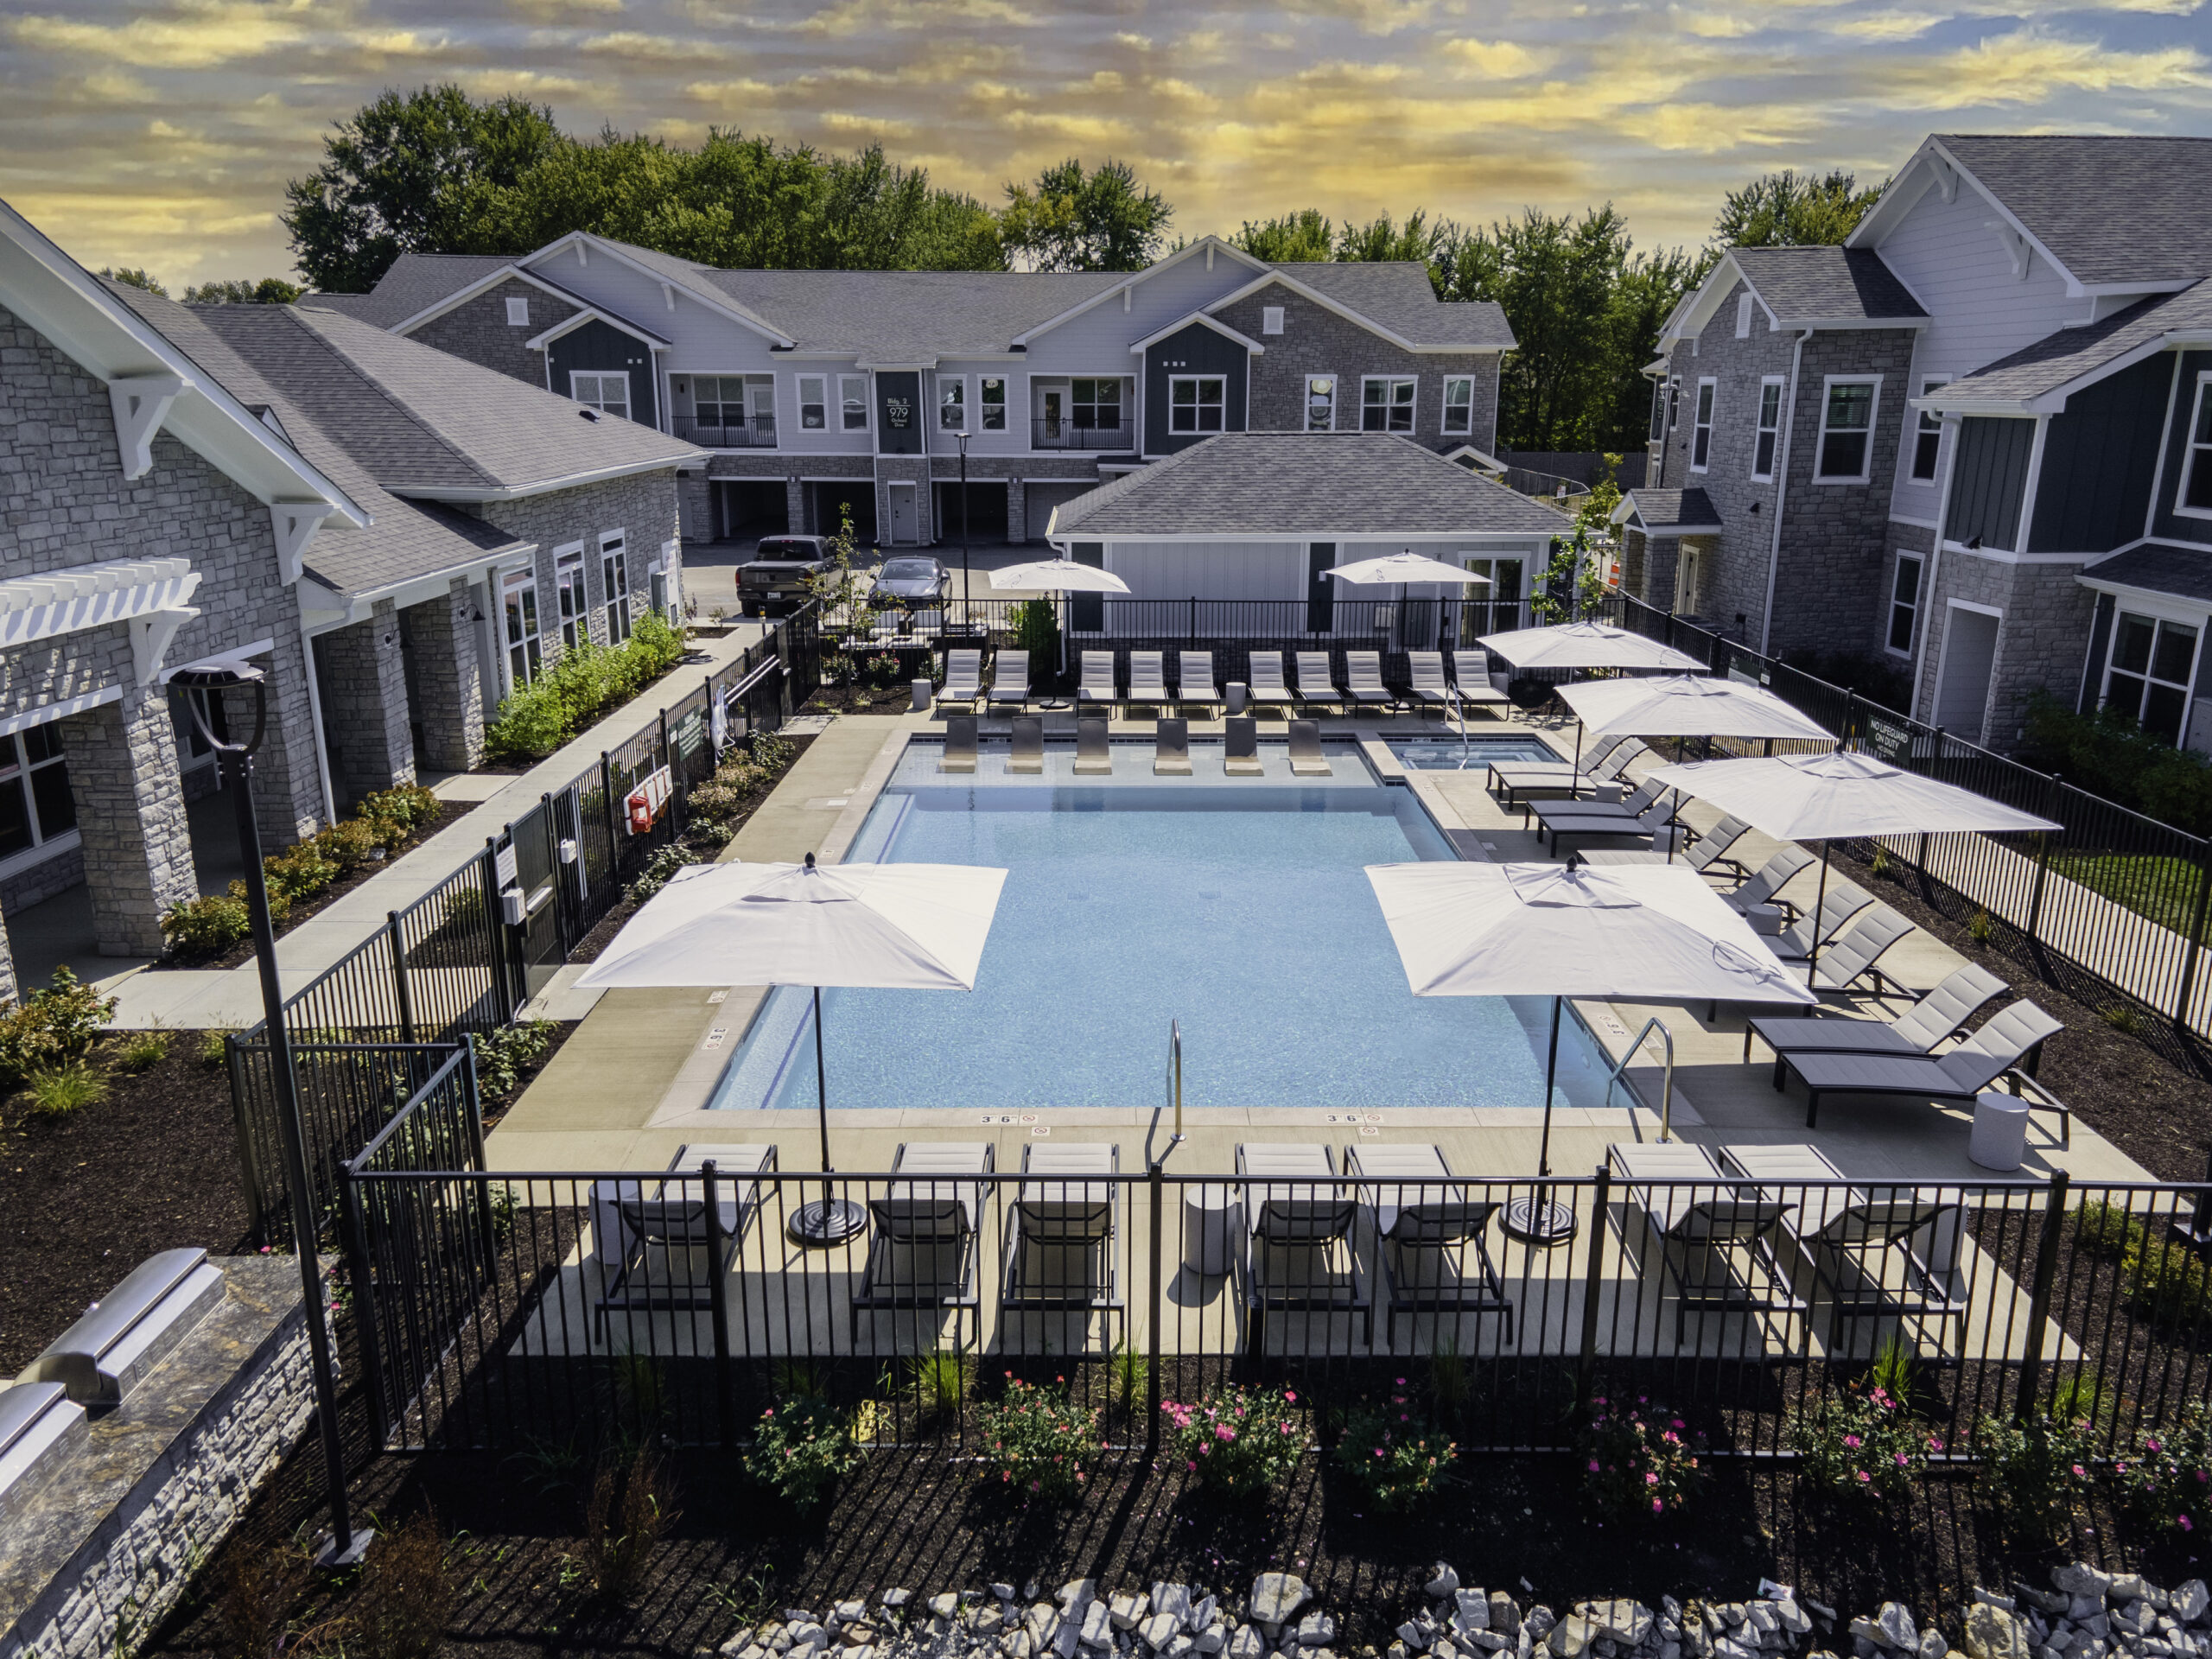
x,y
1237,1440
1393,1460
2167,1479
2034,1473
801,1447
1638,1459
1037,1441
1864,1441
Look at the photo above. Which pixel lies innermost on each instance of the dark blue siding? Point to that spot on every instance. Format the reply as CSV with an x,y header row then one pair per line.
x,y
1194,350
2098,459
2166,524
1988,479
597,347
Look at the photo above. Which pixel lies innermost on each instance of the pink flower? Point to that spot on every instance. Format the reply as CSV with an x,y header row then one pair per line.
x,y
1594,1465
2185,1524
1850,1440
1650,1479
2079,1473
1864,1477
1289,1396
1656,1506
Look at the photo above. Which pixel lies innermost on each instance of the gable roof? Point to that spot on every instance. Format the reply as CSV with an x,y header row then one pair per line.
x,y
2108,210
2038,378
2153,567
413,282
1809,286
1398,294
908,317
1664,514
1322,484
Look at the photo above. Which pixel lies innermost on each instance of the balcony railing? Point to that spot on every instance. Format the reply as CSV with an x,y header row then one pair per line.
x,y
1064,433
757,432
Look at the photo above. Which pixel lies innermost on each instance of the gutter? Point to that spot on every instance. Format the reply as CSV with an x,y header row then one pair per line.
x,y
1782,493
544,486
1926,605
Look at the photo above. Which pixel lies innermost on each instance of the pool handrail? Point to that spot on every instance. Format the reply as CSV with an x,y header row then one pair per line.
x,y
1667,1083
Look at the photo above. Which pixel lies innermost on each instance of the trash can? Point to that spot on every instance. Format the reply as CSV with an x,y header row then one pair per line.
x,y
923,690
1237,694
1213,1218
2001,1130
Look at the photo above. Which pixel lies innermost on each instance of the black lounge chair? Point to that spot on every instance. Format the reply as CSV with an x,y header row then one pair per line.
x,y
1431,1235
1713,1241
1301,1258
660,1233
1061,1233
923,1256
1945,1012
2008,1045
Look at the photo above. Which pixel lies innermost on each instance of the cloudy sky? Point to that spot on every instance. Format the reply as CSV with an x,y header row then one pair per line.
x,y
160,132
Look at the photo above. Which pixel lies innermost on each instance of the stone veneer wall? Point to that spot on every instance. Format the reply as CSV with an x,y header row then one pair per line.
x,y
642,504
478,329
2043,638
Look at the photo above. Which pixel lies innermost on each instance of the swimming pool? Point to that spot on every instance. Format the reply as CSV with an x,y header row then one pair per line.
x,y
1240,909
1480,750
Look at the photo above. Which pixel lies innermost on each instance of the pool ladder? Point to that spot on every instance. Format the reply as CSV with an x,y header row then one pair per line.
x,y
1667,1085
1174,1081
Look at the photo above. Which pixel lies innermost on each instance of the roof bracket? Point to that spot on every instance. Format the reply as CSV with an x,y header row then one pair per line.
x,y
2016,247
294,522
668,295
583,258
1125,298
142,404
1946,181
149,638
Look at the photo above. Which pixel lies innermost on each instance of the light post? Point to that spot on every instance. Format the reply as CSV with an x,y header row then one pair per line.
x,y
966,616
344,1546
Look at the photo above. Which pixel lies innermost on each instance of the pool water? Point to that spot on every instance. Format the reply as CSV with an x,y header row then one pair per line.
x,y
1242,910
1449,754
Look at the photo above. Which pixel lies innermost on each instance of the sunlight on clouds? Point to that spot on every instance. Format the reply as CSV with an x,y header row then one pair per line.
x,y
550,10
1713,25
630,45
194,36
1499,59
1883,25
1713,129
2030,65
861,129
520,83
1370,16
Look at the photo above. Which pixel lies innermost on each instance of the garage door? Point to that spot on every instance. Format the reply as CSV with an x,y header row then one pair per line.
x,y
1043,498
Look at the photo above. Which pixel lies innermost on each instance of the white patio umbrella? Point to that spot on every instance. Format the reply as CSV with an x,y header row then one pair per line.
x,y
1404,567
885,926
1843,795
1061,576
1587,644
1464,929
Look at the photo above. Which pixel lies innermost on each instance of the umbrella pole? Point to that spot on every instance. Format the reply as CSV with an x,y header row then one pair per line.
x,y
1820,902
1536,1219
831,1220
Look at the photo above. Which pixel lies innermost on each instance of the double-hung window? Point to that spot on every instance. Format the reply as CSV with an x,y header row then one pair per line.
x,y
2152,661
608,393
525,655
1320,403
569,586
1743,315
614,583
1196,403
952,403
1846,431
813,402
2196,498
990,395
36,805
1458,404
852,400
1702,436
1770,428
1658,410
1927,438
1095,405
1386,405
1904,603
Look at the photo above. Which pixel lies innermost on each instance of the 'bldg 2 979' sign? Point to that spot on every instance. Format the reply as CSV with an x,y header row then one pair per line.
x,y
899,411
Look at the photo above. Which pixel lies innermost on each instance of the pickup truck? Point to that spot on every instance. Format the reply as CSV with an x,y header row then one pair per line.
x,y
777,572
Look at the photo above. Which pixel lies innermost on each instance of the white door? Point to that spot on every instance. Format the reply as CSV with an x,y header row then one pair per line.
x,y
1969,657
904,532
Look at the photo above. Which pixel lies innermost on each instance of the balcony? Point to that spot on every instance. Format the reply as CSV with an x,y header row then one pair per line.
x,y
1060,432
757,432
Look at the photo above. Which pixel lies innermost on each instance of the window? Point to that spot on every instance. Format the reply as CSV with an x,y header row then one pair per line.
x,y
608,393
852,400
1385,405
519,597
1658,410
1673,403
813,402
1770,428
657,578
1459,403
952,404
518,313
569,588
1904,603
1701,437
1095,405
1927,438
1196,403
2151,664
2196,465
36,805
615,584
1743,315
991,395
1846,431
1271,319
1320,403
719,399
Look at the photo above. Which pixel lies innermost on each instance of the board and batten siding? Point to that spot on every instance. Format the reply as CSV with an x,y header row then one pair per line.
x,y
2098,459
1988,479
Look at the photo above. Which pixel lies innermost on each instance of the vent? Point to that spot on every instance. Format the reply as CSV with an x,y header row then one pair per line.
x,y
1271,320
518,313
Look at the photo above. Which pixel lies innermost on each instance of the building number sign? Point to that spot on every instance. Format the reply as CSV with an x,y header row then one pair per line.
x,y
899,411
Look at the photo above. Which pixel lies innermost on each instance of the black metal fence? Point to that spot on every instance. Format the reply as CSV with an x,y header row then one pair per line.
x,y
465,958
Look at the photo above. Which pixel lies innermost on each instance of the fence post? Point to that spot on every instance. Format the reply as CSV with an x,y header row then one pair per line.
x,y
553,867
613,820
406,1003
2196,946
365,1305
1586,1360
256,1201
1850,733
667,760
718,1302
503,1000
2054,1217
1157,1189
486,1217
2043,868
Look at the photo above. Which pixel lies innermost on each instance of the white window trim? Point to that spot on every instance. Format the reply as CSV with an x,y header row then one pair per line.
x,y
600,376
562,555
1873,425
1444,409
2189,447
1366,380
967,413
1919,602
867,405
1271,319
1305,393
799,404
2154,611
514,579
1927,382
1175,380
518,311
1743,315
1705,425
1758,430
1006,408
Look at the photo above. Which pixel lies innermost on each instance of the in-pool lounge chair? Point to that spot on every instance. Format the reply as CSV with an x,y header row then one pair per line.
x,y
1363,680
1094,755
963,678
959,745
1782,867
1266,685
1194,679
2005,1048
653,1239
1605,762
1471,677
1301,1258
1431,1233
1060,1235
1306,759
1708,853
1028,753
1097,685
923,1256
1171,748
1009,680
1240,746
1317,682
1876,1252
1148,679
1713,1242
1654,823
1944,1012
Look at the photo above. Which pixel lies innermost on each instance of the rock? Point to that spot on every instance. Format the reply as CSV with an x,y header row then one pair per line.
x,y
1761,1620
1173,1599
1727,1647
1277,1597
895,1597
989,1621
2128,1587
1572,1637
1075,1595
1203,1611
1504,1612
1443,1584
1894,1627
1178,1645
1792,1618
1247,1643
1471,1610
1158,1630
1316,1630
2079,1579
1097,1626
1212,1639
1932,1645
2189,1602
1994,1632
1623,1621
1125,1610
847,1611
1540,1621
1486,1641
857,1634
1414,1637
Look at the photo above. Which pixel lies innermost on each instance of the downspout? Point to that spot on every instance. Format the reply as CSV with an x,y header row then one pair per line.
x,y
1926,608
1782,491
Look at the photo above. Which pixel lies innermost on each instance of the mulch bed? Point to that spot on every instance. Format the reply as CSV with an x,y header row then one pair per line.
x,y
859,699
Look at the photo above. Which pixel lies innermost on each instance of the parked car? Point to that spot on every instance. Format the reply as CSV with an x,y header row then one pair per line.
x,y
909,584
777,572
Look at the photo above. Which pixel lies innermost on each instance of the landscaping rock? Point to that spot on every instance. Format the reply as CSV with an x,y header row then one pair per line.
x,y
1471,1610
1158,1630
1097,1626
1212,1639
895,1597
857,1634
1277,1597
1727,1647
1572,1637
1504,1613
2079,1579
1992,1632
940,1606
1203,1611
1443,1583
1895,1627
1316,1630
1248,1643
1126,1610
1932,1645
2190,1602
1414,1637
1622,1621
847,1611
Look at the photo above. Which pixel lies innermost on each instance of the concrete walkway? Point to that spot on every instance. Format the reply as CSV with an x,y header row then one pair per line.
x,y
230,998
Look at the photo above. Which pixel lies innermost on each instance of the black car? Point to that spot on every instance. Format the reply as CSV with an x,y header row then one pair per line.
x,y
777,572
911,584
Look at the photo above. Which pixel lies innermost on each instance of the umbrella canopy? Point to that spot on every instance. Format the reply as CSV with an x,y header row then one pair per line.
x,y
1403,568
1059,576
889,926
1548,930
1687,705
1840,795
1587,644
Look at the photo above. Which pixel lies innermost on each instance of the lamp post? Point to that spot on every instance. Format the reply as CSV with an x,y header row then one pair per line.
x,y
965,615
344,1546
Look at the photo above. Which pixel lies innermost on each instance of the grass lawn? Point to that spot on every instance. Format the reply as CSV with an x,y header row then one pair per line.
x,y
2159,886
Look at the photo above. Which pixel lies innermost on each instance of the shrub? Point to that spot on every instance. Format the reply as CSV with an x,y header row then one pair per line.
x,y
1037,1441
2105,1230
302,871
142,1050
1638,1461
349,845
205,926
503,1056
279,902
2167,1479
214,1047
58,1091
581,684
1980,928
1239,1441
941,1380
660,869
1863,1442
532,724
52,1026
1036,624
2107,754
407,1592
801,1447
2162,1279
2034,1472
629,1509
400,810
882,669
1394,1462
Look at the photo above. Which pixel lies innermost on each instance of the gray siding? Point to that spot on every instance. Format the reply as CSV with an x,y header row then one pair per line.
x,y
1988,480
2098,458
599,346
1194,350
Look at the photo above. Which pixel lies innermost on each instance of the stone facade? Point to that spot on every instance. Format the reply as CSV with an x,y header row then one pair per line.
x,y
447,701
130,818
642,506
478,329
2042,639
365,704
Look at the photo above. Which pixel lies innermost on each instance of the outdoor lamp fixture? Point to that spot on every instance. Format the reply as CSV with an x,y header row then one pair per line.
x,y
964,530
345,1546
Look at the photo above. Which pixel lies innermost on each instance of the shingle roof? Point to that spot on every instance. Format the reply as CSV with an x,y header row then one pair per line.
x,y
405,538
1674,512
2110,210
1300,484
1825,284
2183,572
2071,354
414,282
908,317
1398,294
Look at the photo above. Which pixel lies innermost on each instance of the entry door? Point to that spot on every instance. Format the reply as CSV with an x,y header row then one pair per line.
x,y
1054,401
904,523
1494,609
1686,581
1969,658
1320,588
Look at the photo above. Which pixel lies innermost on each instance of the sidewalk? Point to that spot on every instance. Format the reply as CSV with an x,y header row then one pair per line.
x,y
230,998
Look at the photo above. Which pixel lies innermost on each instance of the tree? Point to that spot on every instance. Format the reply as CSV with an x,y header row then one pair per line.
x,y
1416,240
270,291
1306,236
1071,220
1789,209
416,173
134,276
